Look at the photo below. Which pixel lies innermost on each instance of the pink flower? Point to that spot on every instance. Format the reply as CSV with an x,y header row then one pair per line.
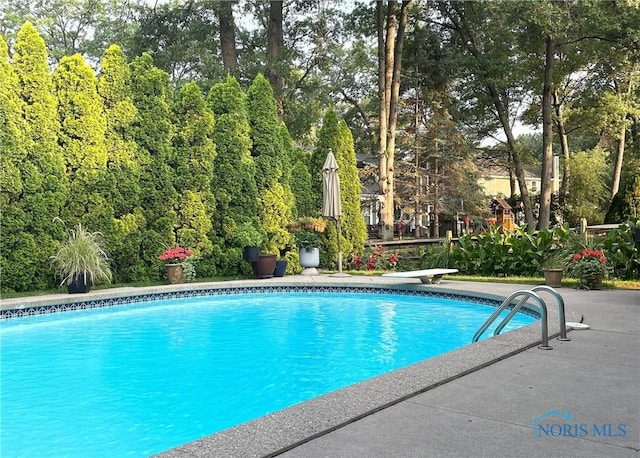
x,y
175,255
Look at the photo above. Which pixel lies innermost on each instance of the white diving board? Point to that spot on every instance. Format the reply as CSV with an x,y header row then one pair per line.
x,y
429,276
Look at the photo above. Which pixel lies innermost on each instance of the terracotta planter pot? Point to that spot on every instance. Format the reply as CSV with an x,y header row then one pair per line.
x,y
175,273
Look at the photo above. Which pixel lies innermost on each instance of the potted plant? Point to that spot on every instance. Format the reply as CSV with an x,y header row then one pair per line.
x,y
310,223
249,237
174,259
309,243
81,261
281,268
265,266
589,267
553,269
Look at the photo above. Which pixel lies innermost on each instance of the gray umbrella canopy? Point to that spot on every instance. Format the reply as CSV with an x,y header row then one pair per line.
x,y
331,202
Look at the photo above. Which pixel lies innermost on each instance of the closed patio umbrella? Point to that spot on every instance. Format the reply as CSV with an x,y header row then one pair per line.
x,y
331,203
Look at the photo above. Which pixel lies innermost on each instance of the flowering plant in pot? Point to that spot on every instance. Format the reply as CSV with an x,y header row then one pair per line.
x,y
174,259
589,267
81,261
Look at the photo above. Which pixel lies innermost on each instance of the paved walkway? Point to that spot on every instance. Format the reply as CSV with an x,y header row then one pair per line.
x,y
518,407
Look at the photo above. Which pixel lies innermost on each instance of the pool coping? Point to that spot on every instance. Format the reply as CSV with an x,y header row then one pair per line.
x,y
285,429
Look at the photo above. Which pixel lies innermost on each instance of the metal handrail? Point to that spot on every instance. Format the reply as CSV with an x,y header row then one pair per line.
x,y
527,294
560,301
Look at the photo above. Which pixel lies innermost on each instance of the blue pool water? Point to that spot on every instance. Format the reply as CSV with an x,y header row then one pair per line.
x,y
139,379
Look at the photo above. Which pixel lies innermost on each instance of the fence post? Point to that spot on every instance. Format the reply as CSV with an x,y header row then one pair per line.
x,y
449,240
582,229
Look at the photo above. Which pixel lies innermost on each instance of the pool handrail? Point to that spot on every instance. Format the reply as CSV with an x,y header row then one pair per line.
x,y
527,294
561,314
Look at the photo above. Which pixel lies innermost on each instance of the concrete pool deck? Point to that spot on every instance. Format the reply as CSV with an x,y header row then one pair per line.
x,y
499,397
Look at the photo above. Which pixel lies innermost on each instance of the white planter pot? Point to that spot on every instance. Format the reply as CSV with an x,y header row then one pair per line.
x,y
309,258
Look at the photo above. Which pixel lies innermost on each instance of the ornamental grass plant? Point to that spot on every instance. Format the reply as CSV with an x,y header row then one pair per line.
x,y
82,255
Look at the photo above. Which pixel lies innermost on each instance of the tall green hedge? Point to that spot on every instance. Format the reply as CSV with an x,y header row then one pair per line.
x,y
233,182
124,167
153,130
44,180
195,153
147,167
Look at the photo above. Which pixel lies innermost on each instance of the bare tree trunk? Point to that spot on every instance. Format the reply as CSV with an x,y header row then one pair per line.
x,y
617,169
503,116
227,37
512,177
564,143
544,216
387,174
386,230
389,66
275,43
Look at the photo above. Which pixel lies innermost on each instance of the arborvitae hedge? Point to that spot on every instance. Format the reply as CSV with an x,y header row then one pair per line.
x,y
270,158
82,138
233,182
153,131
123,165
195,153
16,262
120,154
45,185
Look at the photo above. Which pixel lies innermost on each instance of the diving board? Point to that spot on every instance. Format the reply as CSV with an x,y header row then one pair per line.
x,y
428,276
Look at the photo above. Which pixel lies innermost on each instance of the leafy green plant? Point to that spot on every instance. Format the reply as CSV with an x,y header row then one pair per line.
x,y
518,252
249,235
555,260
623,251
82,255
307,239
437,256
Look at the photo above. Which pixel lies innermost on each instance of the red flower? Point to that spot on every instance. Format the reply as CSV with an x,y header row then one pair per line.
x,y
175,255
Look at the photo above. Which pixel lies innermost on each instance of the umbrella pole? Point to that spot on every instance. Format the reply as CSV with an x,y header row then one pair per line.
x,y
339,249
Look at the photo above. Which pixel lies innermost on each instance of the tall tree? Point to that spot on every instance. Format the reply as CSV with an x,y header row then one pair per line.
x,y
195,153
153,130
354,231
390,43
234,182
482,31
228,36
45,192
275,47
16,259
123,165
270,158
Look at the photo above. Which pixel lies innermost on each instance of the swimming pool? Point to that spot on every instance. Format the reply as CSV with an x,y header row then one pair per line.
x,y
102,346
